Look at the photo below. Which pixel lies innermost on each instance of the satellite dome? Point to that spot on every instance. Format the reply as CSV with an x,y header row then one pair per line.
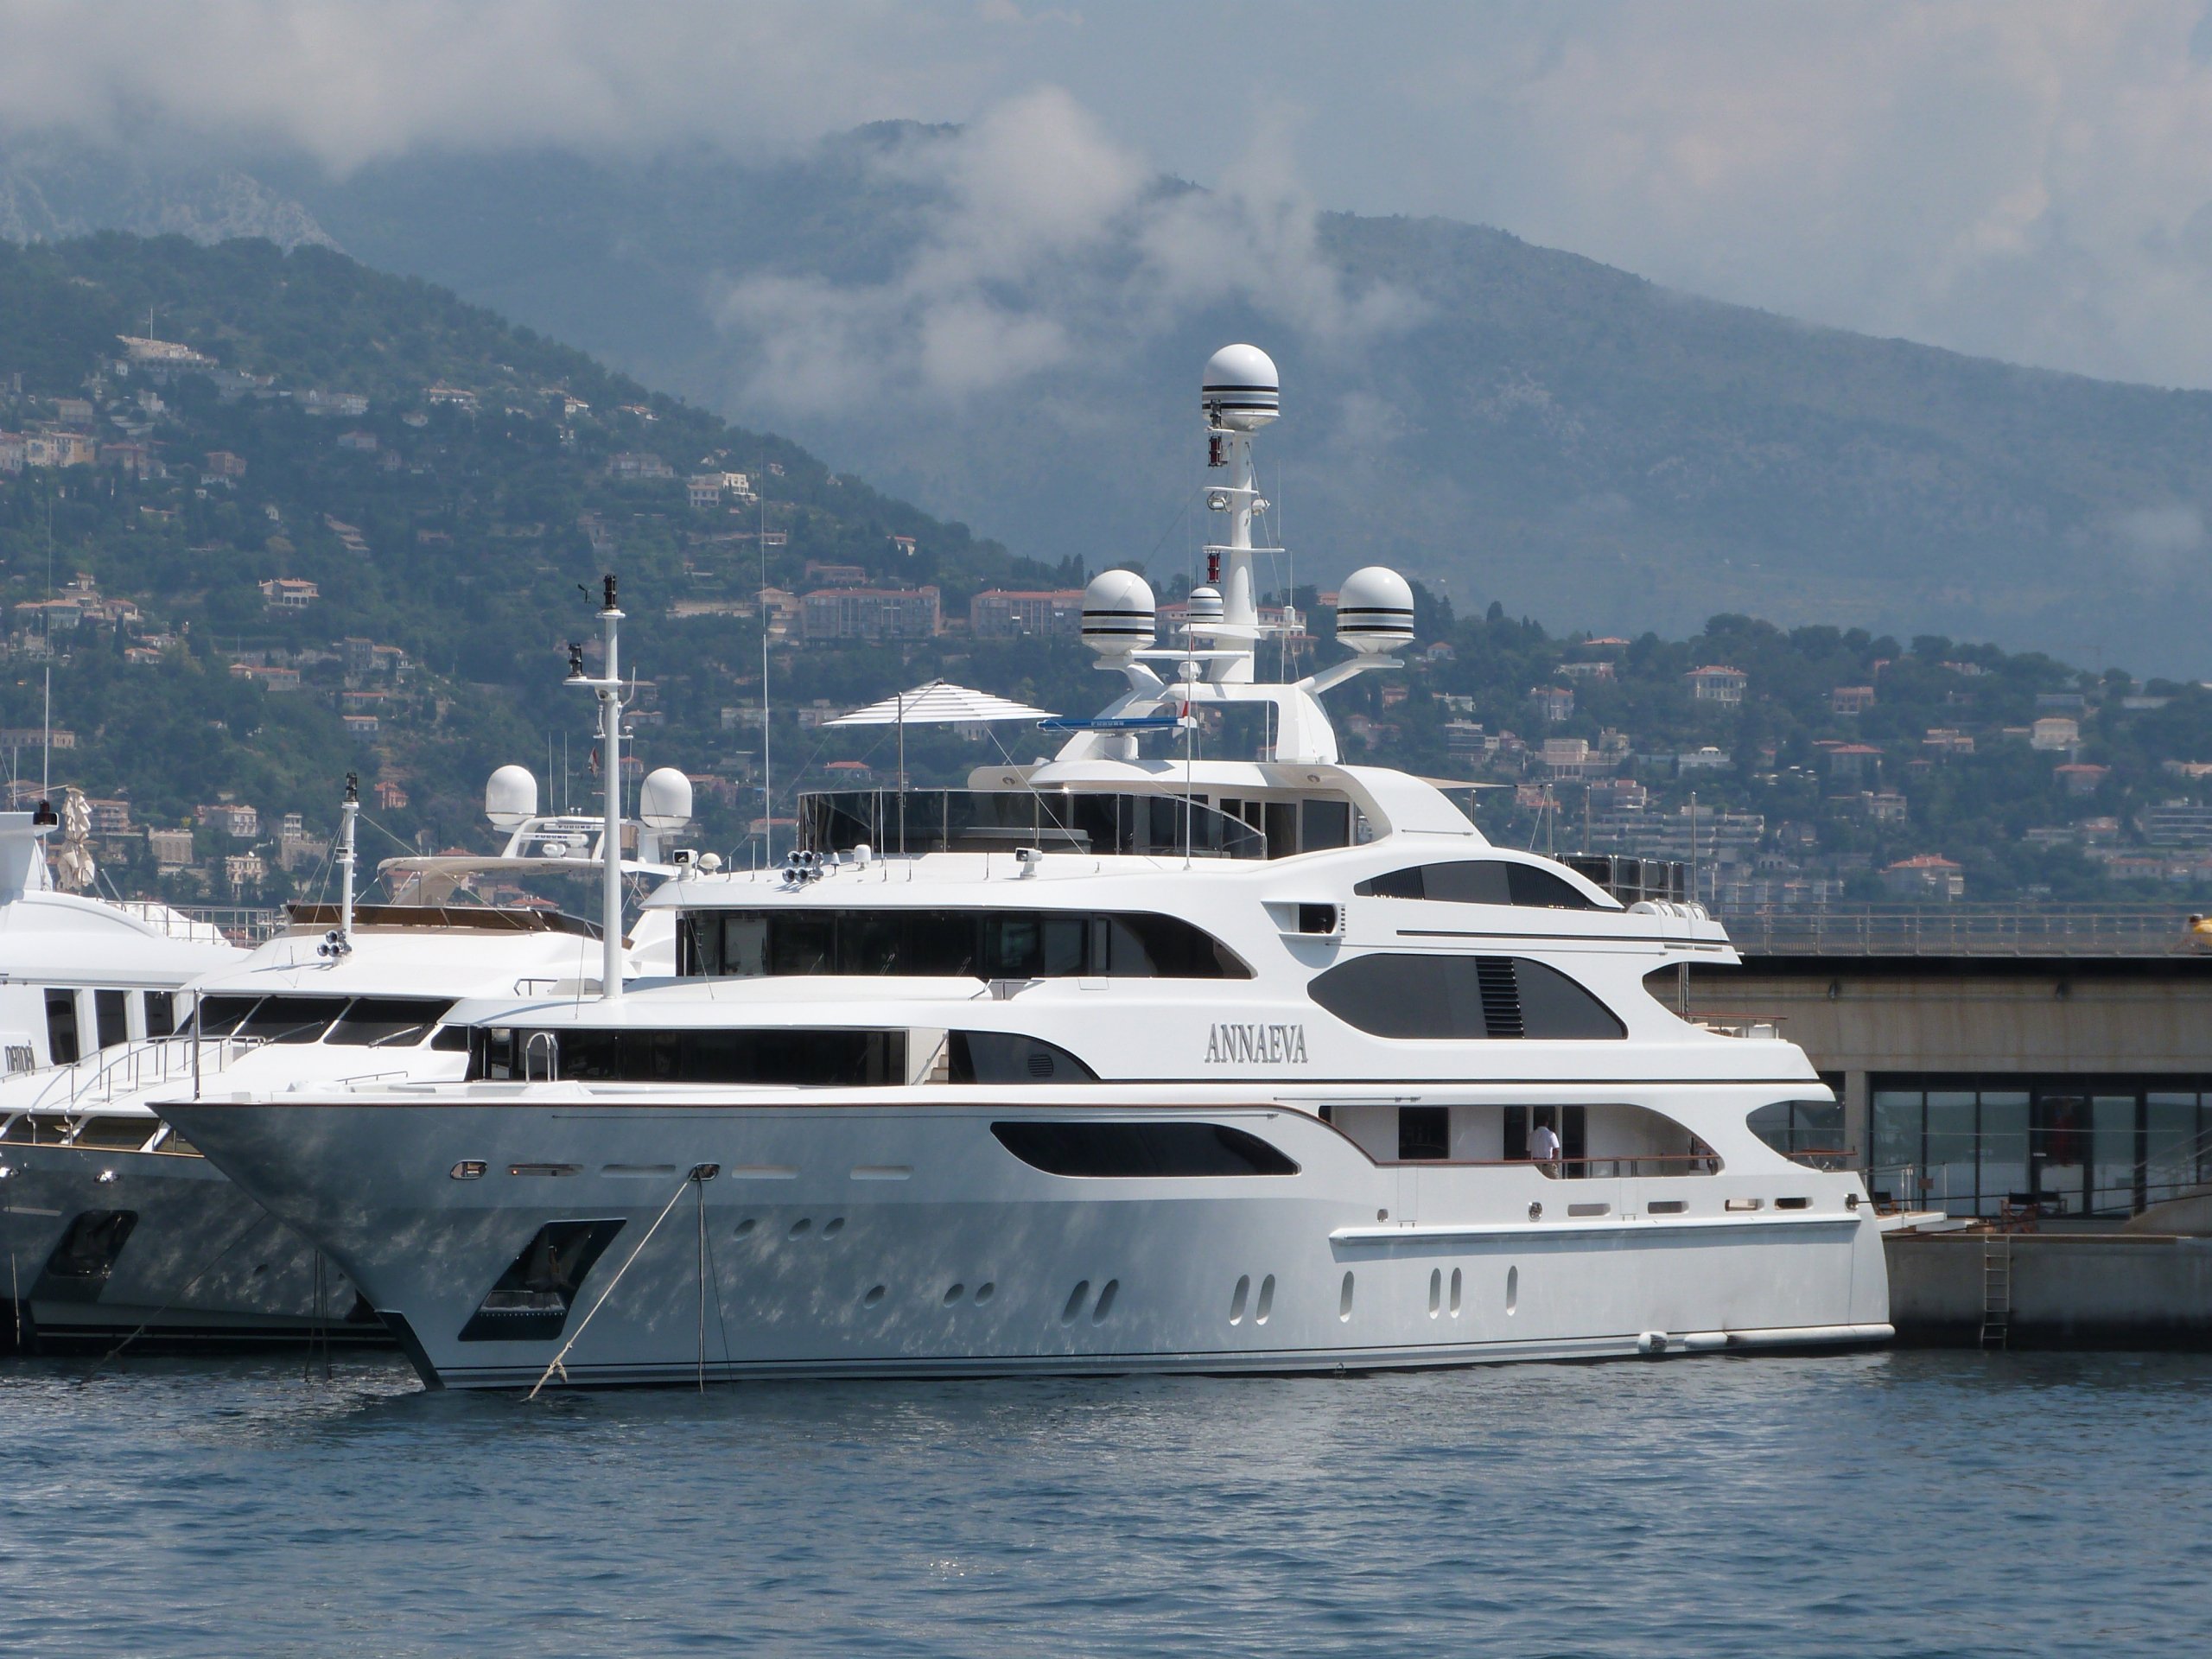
x,y
1117,613
511,797
1242,391
664,799
1375,610
1205,605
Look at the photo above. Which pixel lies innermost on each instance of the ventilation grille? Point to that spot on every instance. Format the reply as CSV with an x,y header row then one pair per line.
x,y
1501,995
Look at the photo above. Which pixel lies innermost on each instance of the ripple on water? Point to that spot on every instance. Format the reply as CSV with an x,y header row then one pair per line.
x,y
1893,1503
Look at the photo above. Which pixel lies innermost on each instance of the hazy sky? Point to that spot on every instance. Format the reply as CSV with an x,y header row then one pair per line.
x,y
2027,180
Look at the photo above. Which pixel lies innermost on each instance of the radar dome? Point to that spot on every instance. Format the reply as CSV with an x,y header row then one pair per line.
x,y
1375,610
664,799
511,797
1242,391
1205,605
1117,613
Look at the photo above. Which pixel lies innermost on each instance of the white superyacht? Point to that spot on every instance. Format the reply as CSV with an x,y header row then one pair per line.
x,y
1118,1062
112,1224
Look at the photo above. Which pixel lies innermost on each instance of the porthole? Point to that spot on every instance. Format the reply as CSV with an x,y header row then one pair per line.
x,y
800,1228
953,1293
1237,1299
1266,1302
984,1292
1077,1297
1667,1206
832,1226
1435,1292
1112,1289
1512,1289
1343,1299
1455,1292
745,1228
875,1294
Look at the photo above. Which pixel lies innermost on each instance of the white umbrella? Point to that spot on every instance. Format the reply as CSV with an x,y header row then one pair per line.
x,y
940,702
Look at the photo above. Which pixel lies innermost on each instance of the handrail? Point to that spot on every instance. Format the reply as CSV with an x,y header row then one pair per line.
x,y
105,1072
1705,1163
1963,930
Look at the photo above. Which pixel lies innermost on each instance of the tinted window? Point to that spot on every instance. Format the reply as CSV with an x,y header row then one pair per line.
x,y
1424,1132
1141,1149
1008,1057
111,1014
61,1046
387,1021
1479,881
291,1019
796,1057
219,1016
1462,998
949,944
160,1014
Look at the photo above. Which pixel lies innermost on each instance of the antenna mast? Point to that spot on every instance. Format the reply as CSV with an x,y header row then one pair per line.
x,y
348,811
608,687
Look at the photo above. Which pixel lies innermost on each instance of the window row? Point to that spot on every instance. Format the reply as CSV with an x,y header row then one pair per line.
x,y
948,944
800,1057
350,1021
70,1035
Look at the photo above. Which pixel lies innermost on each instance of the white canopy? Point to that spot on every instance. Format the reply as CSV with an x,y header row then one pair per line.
x,y
939,703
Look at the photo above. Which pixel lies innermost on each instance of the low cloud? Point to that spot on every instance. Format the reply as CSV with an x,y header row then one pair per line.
x,y
2160,543
1046,244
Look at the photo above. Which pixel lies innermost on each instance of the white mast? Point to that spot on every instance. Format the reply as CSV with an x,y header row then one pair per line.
x,y
609,690
1241,394
348,811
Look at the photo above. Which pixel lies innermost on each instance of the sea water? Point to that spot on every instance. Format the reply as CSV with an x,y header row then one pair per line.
x,y
1883,1503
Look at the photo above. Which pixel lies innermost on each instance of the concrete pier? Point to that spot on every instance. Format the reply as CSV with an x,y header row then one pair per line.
x,y
2062,1289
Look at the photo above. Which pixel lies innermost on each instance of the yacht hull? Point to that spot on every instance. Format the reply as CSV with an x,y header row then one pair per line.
x,y
105,1244
859,1239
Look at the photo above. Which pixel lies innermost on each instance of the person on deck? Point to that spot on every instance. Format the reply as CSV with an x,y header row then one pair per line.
x,y
1543,1147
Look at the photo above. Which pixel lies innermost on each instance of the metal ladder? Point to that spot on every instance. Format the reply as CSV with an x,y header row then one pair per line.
x,y
1996,1289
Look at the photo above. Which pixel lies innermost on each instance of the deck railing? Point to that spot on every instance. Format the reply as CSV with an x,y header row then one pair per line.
x,y
1967,931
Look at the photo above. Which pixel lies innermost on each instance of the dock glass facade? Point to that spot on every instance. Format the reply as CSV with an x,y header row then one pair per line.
x,y
1969,1083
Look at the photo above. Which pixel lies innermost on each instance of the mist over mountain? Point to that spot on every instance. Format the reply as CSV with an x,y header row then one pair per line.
x,y
1005,322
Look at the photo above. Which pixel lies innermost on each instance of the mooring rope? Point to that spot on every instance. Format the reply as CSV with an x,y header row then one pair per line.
x,y
554,1365
146,1323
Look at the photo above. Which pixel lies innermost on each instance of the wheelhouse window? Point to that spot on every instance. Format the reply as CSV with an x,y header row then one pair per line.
x,y
1463,998
387,1021
1107,1150
1479,882
794,1056
291,1019
948,944
221,1016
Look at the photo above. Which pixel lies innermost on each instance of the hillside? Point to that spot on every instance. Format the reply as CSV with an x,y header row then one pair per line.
x,y
442,481
352,533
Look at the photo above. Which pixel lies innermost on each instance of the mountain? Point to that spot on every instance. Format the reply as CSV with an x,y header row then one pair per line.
x,y
1508,422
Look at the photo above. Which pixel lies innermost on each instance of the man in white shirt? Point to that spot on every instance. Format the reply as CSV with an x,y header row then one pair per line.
x,y
1543,1145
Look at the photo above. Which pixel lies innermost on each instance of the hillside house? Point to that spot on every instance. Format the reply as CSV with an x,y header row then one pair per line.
x,y
221,463
1929,875
1851,699
290,593
1718,683
834,613
171,848
1552,703
2081,779
2058,733
1007,613
229,818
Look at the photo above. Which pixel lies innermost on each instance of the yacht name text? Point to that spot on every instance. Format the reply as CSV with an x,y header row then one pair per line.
x,y
1233,1044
